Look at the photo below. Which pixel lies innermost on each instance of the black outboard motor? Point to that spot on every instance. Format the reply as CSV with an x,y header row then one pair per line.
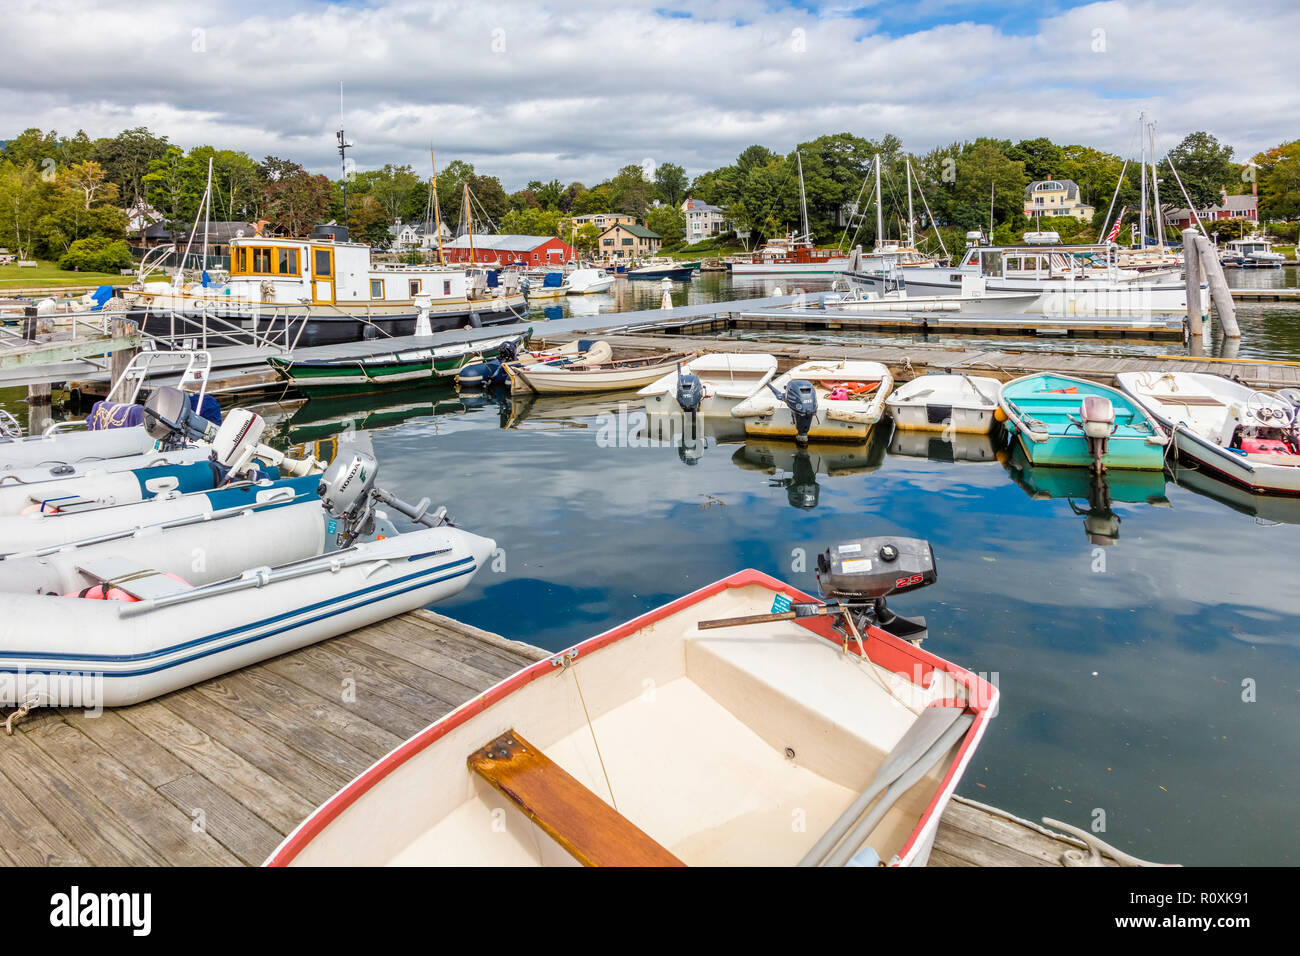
x,y
169,419
690,391
861,573
801,398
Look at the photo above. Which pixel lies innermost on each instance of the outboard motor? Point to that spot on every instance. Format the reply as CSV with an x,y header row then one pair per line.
x,y
1098,421
238,440
348,492
861,573
801,398
169,419
690,391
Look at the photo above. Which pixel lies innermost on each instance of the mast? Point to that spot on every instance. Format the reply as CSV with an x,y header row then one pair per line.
x,y
1155,190
880,217
992,193
469,225
344,146
1142,214
803,198
437,213
911,219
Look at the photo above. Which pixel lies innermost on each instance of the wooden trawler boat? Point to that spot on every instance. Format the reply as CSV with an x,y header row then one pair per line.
x,y
384,371
791,255
320,291
959,404
1062,420
552,379
710,385
113,622
825,400
763,702
1238,433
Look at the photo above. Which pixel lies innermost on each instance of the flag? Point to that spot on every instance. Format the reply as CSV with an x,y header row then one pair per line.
x,y
1114,232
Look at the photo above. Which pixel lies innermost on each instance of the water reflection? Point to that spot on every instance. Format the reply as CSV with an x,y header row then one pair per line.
x,y
937,447
796,469
1089,495
1265,508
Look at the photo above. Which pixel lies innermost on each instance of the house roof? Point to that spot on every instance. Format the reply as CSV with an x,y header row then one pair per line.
x,y
508,243
699,205
641,232
1042,185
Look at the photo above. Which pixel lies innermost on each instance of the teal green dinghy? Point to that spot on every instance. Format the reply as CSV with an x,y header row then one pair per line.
x,y
1062,420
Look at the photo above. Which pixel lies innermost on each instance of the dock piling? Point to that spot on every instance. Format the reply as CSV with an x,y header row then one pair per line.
x,y
1219,292
1192,270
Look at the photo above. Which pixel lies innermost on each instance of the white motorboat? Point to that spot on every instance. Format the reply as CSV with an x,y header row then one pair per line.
x,y
689,735
108,623
864,301
589,281
710,385
1252,252
957,404
1242,435
829,400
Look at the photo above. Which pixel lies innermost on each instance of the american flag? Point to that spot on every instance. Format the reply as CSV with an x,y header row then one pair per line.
x,y
1114,231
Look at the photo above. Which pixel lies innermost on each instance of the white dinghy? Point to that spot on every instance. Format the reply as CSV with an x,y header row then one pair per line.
x,y
108,432
136,616
1240,434
693,734
957,404
835,401
589,281
710,385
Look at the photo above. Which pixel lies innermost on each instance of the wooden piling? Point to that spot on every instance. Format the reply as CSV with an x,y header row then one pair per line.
x,y
1192,269
120,328
1219,292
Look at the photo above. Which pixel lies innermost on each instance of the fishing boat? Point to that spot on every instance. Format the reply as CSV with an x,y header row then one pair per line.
x,y
1238,433
791,255
754,712
112,623
827,400
662,269
381,371
551,378
862,301
1062,420
589,281
710,385
1252,252
959,404
493,372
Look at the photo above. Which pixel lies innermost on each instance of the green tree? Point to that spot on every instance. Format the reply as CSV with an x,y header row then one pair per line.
x,y
1042,158
668,221
293,198
630,191
587,238
97,254
126,158
1205,167
670,185
174,185
1278,172
24,199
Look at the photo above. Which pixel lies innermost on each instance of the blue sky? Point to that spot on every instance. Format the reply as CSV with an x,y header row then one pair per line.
x,y
573,90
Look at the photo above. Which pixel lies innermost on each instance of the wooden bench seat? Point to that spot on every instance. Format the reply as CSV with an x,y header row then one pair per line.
x,y
585,825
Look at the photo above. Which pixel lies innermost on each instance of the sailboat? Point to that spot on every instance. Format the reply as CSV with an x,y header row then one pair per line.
x,y
1146,258
792,255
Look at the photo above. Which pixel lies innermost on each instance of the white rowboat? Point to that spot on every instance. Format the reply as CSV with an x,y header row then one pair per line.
x,y
728,378
956,404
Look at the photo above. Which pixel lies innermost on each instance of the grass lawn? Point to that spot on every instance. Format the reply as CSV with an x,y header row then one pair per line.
x,y
48,275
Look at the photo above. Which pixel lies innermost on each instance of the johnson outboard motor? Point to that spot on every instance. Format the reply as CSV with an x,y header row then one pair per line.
x,y
861,573
690,391
348,492
1098,422
801,398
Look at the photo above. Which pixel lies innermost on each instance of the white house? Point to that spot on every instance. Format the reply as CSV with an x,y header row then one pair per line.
x,y
702,220
405,237
1056,197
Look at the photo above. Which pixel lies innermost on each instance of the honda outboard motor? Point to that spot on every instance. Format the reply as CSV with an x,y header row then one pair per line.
x,y
348,492
1098,421
169,419
801,398
690,391
861,573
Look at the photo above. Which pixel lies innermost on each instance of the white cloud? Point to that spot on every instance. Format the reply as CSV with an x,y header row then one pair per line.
x,y
575,90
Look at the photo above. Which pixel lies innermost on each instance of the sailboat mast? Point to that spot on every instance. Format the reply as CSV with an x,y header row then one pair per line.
x,y
207,214
880,216
911,219
1155,190
469,224
343,155
437,213
1142,214
803,198
992,193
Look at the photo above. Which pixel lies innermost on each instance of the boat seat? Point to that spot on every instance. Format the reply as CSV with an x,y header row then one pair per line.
x,y
135,579
1188,400
581,822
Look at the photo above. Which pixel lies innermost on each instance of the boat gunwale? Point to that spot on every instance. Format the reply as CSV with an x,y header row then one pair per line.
x,y
982,701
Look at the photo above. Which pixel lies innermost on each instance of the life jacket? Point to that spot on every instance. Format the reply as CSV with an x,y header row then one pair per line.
x,y
102,592
850,391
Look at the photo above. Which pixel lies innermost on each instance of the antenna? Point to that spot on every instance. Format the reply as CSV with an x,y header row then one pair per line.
x,y
343,147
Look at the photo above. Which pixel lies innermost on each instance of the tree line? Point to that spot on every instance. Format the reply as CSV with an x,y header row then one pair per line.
x,y
58,190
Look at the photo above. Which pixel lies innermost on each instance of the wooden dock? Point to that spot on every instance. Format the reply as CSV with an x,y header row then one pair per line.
x,y
219,773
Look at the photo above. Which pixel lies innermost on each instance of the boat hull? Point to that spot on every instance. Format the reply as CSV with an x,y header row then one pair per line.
x,y
832,266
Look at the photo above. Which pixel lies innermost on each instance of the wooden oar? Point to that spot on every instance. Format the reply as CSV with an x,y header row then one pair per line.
x,y
796,610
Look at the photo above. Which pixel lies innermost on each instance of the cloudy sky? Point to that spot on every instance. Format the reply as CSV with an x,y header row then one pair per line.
x,y
574,90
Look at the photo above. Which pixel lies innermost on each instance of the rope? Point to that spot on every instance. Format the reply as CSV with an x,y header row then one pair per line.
x,y
18,715
592,730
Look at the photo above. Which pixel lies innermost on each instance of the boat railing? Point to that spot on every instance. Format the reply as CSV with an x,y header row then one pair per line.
x,y
204,312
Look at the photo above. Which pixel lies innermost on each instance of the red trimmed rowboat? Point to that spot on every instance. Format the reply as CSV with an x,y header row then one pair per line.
x,y
674,739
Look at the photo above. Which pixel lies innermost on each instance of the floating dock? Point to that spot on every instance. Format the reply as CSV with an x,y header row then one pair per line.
x,y
221,772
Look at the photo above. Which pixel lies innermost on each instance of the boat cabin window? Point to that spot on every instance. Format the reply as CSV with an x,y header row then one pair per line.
x,y
446,287
288,262
415,287
991,263
262,261
1024,264
376,288
321,263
